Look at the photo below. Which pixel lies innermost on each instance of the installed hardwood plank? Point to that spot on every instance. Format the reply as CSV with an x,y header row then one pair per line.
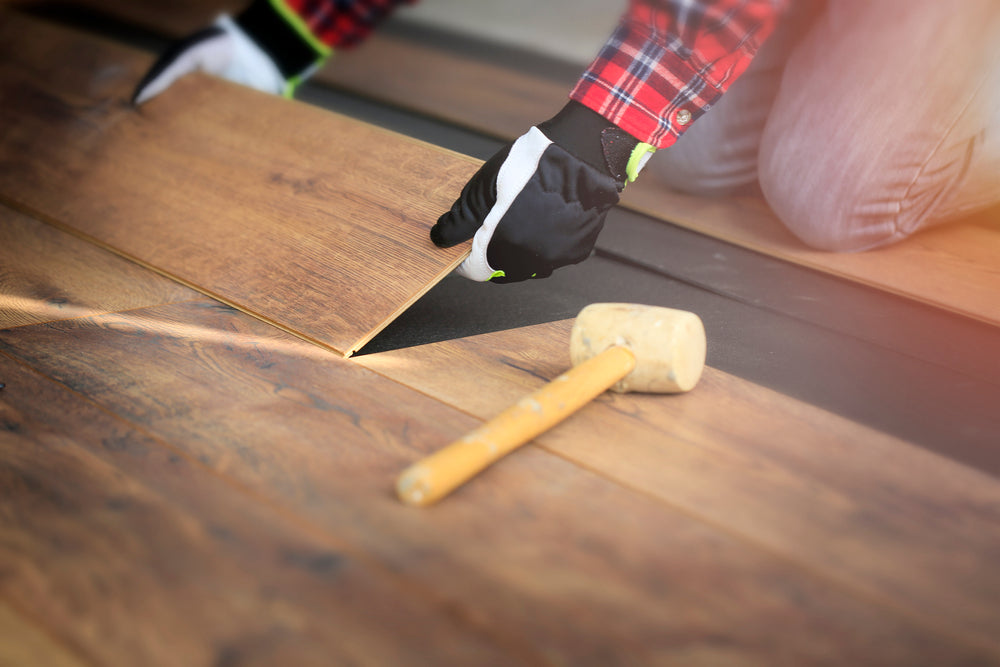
x,y
133,553
901,525
554,560
47,274
299,216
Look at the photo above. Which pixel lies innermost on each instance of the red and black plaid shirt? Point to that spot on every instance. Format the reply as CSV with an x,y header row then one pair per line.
x,y
670,60
342,23
663,67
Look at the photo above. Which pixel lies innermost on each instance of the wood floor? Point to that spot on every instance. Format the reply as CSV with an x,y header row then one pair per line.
x,y
263,220
193,473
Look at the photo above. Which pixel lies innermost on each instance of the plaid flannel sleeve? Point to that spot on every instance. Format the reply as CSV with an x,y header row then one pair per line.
x,y
338,23
300,34
670,60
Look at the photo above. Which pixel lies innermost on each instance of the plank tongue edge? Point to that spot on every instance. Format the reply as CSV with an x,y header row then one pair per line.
x,y
364,340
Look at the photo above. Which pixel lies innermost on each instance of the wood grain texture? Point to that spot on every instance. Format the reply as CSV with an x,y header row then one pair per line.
x,y
552,561
299,216
131,552
47,274
898,524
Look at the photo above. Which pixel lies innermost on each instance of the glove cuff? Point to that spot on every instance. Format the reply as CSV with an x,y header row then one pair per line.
x,y
592,138
280,33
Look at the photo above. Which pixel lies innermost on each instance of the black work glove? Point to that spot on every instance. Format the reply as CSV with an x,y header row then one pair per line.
x,y
540,202
260,48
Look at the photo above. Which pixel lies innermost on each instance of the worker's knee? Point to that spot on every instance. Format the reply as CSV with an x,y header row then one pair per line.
x,y
852,157
845,198
845,201
823,214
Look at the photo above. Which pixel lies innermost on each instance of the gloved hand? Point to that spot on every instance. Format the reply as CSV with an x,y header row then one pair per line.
x,y
259,49
539,203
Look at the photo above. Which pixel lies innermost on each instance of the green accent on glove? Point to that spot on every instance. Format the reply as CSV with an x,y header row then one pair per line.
x,y
292,85
637,160
296,22
498,274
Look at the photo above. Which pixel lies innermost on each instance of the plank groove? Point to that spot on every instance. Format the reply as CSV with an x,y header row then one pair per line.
x,y
556,559
305,218
48,275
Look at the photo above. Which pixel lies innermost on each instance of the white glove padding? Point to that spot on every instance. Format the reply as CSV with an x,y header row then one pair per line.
x,y
532,208
224,50
539,203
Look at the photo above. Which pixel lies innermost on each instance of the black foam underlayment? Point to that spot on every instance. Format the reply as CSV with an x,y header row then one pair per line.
x,y
920,373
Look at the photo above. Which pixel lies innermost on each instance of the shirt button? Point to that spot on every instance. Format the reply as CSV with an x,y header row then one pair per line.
x,y
683,117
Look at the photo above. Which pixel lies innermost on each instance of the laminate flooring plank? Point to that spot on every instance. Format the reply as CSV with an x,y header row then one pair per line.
x,y
554,560
311,221
47,274
872,512
131,552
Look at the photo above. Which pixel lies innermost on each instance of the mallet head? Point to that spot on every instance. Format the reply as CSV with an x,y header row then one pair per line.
x,y
669,345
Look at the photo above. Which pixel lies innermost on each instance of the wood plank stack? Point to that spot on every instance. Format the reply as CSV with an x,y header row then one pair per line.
x,y
185,482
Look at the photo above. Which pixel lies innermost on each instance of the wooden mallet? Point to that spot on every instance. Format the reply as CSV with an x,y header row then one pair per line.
x,y
617,346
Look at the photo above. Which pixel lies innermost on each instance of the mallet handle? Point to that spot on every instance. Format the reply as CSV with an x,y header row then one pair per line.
x,y
437,475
